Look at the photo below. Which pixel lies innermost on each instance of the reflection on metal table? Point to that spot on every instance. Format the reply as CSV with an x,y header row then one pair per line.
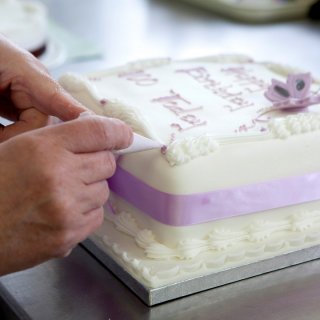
x,y
79,287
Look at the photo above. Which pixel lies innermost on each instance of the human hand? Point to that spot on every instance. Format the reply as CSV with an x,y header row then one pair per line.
x,y
28,95
53,186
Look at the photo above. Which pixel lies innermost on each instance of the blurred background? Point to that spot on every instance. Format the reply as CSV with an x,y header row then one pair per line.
x,y
97,34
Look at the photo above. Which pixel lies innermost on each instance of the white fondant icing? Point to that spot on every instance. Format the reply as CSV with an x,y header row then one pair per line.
x,y
202,102
210,114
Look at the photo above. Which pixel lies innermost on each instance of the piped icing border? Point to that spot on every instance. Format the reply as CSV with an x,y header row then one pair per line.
x,y
294,125
184,150
218,239
169,269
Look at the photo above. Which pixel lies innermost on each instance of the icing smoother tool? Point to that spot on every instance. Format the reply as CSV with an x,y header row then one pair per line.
x,y
138,144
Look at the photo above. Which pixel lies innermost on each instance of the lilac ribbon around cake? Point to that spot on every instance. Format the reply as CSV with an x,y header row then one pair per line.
x,y
184,210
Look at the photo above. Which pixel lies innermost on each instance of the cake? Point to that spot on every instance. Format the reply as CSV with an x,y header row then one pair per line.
x,y
257,11
238,180
25,23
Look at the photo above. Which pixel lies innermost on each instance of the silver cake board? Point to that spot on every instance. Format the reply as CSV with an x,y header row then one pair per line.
x,y
154,296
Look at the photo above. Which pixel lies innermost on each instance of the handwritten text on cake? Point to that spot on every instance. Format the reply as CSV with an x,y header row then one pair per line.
x,y
234,85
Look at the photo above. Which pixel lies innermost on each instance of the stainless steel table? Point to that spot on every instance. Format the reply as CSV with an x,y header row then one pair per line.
x,y
79,287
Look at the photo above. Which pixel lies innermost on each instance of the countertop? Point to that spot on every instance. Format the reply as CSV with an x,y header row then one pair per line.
x,y
79,287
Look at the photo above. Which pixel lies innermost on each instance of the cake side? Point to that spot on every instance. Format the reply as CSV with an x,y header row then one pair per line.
x,y
217,233
231,165
157,263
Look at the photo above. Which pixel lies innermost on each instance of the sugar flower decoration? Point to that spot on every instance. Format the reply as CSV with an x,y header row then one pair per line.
x,y
295,93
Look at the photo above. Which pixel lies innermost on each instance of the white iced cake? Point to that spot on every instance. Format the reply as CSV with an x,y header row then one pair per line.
x,y
239,178
257,11
25,22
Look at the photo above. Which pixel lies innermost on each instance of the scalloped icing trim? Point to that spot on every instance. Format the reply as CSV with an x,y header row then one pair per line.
x,y
171,269
218,239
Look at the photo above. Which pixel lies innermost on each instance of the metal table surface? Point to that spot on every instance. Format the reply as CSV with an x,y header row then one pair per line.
x,y
79,287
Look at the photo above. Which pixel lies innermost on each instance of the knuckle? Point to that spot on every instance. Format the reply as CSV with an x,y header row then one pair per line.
x,y
60,217
124,132
96,220
101,195
51,184
61,208
106,132
36,152
62,243
110,163
104,193
100,217
32,141
113,130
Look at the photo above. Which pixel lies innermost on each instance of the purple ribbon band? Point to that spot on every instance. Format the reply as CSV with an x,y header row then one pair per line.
x,y
184,210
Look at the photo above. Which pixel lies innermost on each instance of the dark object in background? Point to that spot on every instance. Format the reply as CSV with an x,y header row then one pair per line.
x,y
314,12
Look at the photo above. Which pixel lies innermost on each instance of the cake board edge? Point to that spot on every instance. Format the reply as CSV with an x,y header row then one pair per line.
x,y
155,296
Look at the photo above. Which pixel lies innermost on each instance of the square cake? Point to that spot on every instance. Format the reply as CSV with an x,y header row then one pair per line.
x,y
239,179
257,11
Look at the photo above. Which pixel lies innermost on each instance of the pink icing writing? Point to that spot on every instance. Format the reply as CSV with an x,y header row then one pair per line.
x,y
241,104
183,109
175,103
104,102
224,92
164,149
190,119
202,76
245,79
246,127
139,77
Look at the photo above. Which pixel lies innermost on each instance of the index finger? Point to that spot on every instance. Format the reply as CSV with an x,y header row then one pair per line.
x,y
91,134
27,76
53,100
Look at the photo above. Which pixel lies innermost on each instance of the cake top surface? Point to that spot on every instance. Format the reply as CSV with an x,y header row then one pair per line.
x,y
24,22
197,102
226,120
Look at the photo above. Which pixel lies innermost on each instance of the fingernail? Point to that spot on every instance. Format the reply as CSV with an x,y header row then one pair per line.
x,y
86,114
